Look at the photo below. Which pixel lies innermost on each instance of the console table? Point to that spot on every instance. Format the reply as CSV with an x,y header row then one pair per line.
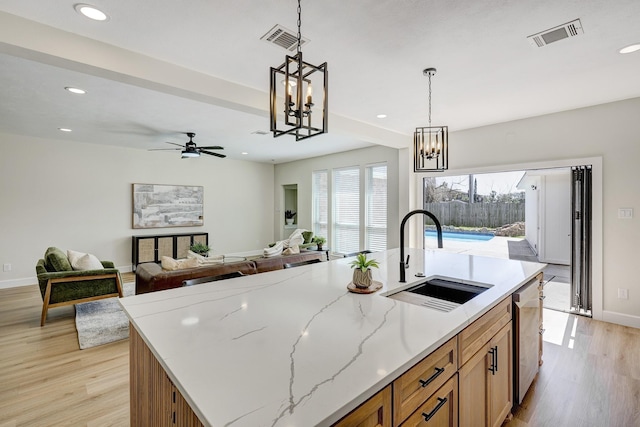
x,y
151,248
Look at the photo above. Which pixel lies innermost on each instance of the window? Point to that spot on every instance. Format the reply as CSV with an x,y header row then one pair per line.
x,y
349,207
320,213
346,210
375,232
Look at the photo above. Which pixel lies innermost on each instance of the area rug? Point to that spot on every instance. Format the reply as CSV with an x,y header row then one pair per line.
x,y
103,321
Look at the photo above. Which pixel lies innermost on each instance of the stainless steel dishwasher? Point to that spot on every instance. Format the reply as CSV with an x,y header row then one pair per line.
x,y
527,326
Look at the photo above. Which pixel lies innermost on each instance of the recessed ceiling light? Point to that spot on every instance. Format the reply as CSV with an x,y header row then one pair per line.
x,y
244,153
64,129
76,90
381,116
91,12
630,49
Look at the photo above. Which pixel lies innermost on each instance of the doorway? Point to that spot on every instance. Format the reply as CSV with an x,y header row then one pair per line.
x,y
550,197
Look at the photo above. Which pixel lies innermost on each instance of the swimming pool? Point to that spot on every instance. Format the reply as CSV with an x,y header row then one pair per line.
x,y
462,236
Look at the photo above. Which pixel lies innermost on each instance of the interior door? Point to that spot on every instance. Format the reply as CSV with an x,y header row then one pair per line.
x,y
581,240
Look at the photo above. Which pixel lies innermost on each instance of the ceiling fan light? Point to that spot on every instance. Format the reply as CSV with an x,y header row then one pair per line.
x,y
190,153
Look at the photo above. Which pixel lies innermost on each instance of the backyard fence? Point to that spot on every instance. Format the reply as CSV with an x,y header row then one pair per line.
x,y
463,214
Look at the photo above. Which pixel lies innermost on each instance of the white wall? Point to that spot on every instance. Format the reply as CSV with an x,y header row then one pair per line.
x,y
299,172
78,196
610,131
531,186
555,216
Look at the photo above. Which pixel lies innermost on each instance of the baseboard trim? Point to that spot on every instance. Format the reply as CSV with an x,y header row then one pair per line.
x,y
125,269
621,319
15,283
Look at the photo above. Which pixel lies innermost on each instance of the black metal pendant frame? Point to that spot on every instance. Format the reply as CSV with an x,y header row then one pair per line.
x,y
298,115
431,149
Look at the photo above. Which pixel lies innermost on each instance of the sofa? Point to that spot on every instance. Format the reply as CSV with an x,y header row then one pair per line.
x,y
150,277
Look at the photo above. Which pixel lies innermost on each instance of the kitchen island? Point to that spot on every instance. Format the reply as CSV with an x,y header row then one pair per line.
x,y
294,347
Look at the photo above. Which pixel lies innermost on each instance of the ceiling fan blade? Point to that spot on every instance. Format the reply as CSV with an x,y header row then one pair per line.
x,y
173,143
212,147
222,156
164,149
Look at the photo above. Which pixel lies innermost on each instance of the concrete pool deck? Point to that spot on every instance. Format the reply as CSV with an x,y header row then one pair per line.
x,y
498,247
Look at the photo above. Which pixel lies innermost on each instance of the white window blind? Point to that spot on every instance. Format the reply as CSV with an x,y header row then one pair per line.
x,y
346,210
376,208
320,212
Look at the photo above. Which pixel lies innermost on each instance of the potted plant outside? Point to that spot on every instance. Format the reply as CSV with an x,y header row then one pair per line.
x,y
288,216
362,271
200,249
319,240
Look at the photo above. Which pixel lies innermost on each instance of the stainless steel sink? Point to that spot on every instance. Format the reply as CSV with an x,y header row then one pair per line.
x,y
440,293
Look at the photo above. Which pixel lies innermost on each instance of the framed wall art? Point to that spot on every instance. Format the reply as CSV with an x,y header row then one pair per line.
x,y
159,206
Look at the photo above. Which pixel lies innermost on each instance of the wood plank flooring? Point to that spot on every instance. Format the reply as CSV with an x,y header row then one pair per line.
x,y
45,379
590,377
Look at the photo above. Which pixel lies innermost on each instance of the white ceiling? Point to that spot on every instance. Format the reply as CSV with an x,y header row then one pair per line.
x,y
375,49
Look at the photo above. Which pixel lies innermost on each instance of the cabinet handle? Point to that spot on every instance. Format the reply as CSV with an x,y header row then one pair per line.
x,y
426,382
495,354
441,402
493,368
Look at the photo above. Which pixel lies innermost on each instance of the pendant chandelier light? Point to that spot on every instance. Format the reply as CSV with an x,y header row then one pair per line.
x,y
292,86
430,144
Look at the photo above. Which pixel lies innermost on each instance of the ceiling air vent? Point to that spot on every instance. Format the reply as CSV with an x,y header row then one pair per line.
x,y
284,38
570,29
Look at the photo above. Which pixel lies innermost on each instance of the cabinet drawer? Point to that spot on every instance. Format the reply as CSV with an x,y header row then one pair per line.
x,y
416,385
375,412
476,335
441,409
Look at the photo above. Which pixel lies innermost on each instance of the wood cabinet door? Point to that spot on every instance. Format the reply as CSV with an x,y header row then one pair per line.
x,y
440,410
474,389
375,412
501,378
146,250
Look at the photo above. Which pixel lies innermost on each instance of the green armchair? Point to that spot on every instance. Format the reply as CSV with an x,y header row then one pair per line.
x,y
61,285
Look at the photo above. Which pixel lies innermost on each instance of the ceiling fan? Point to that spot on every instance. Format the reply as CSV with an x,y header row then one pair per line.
x,y
190,149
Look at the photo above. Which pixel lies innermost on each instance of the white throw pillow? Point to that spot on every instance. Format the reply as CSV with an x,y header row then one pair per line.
x,y
171,264
291,250
168,263
74,256
87,262
273,251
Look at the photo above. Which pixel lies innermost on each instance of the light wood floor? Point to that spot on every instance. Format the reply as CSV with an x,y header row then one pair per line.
x,y
590,378
45,379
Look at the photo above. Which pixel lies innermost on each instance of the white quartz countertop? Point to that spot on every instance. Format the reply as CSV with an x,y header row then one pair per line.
x,y
294,347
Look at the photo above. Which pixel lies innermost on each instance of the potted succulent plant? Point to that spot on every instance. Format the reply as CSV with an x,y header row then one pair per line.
x,y
319,240
200,249
288,216
362,271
